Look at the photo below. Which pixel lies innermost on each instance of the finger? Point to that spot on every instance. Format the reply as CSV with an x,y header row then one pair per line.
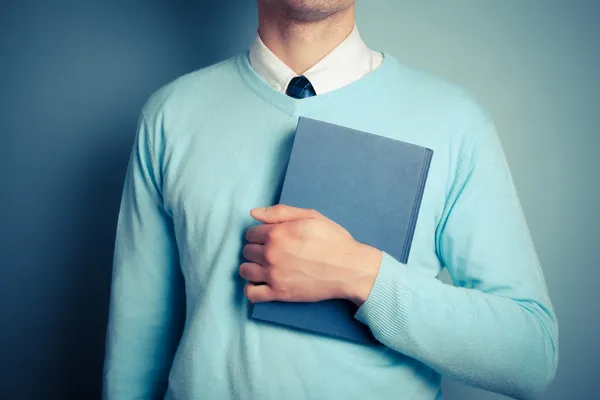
x,y
255,252
253,272
259,293
258,233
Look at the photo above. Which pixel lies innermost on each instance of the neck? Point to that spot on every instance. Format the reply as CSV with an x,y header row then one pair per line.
x,y
301,43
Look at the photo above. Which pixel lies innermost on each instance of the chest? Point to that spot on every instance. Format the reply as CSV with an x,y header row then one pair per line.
x,y
213,176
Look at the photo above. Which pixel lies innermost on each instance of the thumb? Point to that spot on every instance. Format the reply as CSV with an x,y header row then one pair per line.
x,y
282,213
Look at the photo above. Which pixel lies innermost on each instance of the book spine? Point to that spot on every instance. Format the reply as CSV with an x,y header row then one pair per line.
x,y
416,206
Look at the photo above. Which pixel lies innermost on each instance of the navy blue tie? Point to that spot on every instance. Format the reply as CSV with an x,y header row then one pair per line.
x,y
300,88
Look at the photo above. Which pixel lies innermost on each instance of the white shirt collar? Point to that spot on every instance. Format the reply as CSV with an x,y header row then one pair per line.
x,y
349,61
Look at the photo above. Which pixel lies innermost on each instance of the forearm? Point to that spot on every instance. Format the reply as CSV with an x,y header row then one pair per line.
x,y
143,331
482,339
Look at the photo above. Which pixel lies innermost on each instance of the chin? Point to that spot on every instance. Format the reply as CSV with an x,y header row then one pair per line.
x,y
310,10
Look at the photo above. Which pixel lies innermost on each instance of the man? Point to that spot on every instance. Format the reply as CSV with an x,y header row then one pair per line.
x,y
200,237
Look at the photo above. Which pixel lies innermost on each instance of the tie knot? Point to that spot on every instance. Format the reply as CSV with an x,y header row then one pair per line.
x,y
300,87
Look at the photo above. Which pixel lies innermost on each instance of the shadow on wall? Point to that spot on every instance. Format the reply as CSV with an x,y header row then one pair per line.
x,y
79,76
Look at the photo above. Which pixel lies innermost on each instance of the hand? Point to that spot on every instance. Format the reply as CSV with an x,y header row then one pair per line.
x,y
299,255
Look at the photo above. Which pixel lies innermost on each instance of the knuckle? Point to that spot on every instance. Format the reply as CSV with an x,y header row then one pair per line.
x,y
278,281
273,275
274,233
283,293
270,255
250,293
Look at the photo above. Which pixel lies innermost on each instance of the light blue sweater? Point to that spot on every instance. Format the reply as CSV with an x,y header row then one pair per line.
x,y
215,143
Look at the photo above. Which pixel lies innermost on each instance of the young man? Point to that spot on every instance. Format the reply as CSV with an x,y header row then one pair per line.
x,y
190,255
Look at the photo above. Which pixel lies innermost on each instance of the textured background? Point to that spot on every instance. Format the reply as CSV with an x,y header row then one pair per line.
x,y
73,79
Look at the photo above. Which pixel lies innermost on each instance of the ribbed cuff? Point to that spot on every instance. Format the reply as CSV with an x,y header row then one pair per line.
x,y
387,307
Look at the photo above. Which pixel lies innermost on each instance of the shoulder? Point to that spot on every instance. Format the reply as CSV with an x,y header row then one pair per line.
x,y
436,97
184,91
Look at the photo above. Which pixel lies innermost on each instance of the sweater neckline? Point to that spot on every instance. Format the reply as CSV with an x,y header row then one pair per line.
x,y
296,107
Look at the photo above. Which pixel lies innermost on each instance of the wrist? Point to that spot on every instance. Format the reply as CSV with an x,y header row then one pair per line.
x,y
364,266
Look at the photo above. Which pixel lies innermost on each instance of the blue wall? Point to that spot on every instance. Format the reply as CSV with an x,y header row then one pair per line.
x,y
73,79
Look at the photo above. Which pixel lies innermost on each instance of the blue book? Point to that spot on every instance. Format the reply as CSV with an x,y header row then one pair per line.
x,y
372,186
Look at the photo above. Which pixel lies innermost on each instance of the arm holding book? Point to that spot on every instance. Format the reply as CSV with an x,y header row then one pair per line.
x,y
496,329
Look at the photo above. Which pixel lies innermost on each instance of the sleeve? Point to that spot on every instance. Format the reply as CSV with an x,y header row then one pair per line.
x,y
147,302
496,328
